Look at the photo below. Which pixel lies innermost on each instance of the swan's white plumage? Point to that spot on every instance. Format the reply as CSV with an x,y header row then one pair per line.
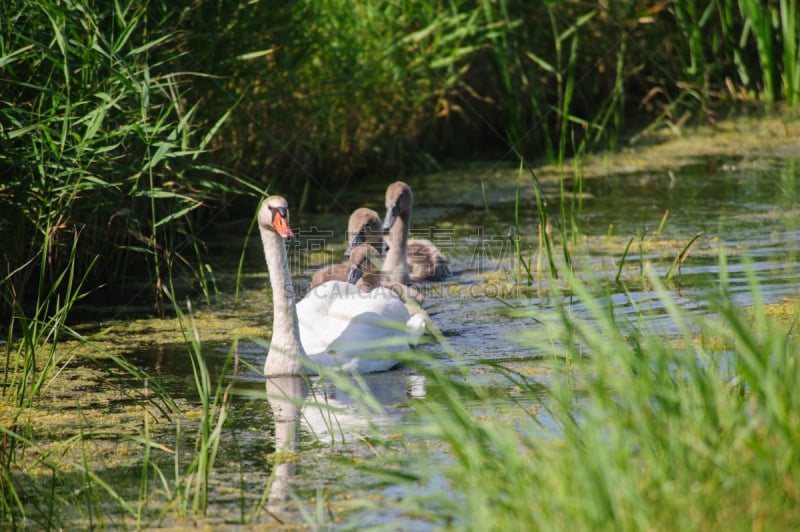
x,y
336,324
347,326
365,273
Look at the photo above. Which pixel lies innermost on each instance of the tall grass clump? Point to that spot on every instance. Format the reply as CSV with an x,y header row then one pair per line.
x,y
30,362
637,429
99,136
193,483
331,90
104,172
112,116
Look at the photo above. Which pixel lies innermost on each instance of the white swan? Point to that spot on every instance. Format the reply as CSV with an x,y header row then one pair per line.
x,y
407,260
363,227
336,324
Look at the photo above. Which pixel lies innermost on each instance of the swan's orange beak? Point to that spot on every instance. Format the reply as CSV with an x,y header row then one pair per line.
x,y
281,225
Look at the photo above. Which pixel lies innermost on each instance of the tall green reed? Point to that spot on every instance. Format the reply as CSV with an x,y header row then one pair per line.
x,y
120,145
93,104
420,80
30,363
759,21
636,428
192,481
99,133
27,369
790,55
736,50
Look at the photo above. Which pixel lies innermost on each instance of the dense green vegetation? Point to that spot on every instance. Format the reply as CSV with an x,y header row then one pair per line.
x,y
127,127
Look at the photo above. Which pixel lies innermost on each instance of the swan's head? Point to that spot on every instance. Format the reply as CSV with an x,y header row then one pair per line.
x,y
364,262
399,199
365,227
274,216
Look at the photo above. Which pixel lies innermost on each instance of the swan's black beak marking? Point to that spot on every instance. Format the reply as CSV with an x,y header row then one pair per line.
x,y
353,274
355,241
391,216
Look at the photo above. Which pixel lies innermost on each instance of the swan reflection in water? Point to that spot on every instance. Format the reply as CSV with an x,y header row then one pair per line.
x,y
331,412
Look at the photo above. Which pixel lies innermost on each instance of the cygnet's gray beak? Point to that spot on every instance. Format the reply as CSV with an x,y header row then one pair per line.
x,y
391,216
353,274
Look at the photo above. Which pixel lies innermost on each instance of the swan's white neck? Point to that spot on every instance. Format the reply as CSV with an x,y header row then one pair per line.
x,y
286,353
395,267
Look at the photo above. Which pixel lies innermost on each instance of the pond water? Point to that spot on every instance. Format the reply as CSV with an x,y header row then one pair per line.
x,y
744,201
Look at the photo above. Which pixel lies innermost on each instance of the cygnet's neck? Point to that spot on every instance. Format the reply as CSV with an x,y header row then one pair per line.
x,y
395,267
285,351
369,280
